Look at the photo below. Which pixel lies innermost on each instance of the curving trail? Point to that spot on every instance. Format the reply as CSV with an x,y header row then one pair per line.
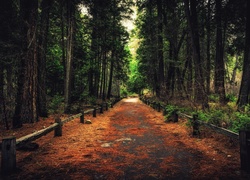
x,y
130,141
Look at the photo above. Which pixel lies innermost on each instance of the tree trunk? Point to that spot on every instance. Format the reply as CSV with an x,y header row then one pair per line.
x,y
192,18
219,60
160,46
42,45
243,98
69,55
208,67
26,102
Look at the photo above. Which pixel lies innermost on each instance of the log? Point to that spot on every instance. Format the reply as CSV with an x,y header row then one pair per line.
x,y
31,137
71,118
221,130
88,111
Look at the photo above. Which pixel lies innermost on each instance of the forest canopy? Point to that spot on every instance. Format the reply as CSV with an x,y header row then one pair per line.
x,y
59,52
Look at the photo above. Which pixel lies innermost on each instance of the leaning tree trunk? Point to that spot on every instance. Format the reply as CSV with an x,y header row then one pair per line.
x,y
26,102
243,98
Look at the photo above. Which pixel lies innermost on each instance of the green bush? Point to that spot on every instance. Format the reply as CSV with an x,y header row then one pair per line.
x,y
203,116
214,97
241,121
124,92
231,97
216,117
55,103
168,110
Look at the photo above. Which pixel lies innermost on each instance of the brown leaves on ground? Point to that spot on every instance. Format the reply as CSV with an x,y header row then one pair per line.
x,y
129,141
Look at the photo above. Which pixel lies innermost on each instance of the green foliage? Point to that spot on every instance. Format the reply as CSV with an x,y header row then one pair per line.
x,y
123,92
203,116
214,97
55,103
216,117
169,110
231,97
241,121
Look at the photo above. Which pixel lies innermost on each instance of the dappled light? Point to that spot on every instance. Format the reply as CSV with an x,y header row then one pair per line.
x,y
131,100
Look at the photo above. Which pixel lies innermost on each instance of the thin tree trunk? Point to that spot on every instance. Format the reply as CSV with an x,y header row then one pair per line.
x,y
42,44
208,66
200,95
69,56
160,46
219,60
243,98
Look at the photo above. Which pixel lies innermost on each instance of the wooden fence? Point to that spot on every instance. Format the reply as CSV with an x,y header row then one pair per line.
x,y
10,144
243,137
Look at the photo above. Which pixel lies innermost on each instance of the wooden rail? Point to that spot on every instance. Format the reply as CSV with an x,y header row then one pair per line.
x,y
243,137
10,144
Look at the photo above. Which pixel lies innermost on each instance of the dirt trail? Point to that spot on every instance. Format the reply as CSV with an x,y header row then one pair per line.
x,y
130,141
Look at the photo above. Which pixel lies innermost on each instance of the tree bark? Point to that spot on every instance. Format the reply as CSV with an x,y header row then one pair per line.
x,y
26,101
243,98
219,60
42,45
69,55
192,18
160,46
208,66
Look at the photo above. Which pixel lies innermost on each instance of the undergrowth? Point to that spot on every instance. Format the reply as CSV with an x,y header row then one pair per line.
x,y
222,116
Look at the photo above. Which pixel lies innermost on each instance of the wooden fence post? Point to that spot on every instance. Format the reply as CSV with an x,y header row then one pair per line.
x,y
195,123
164,112
82,118
58,129
8,160
94,112
159,107
244,137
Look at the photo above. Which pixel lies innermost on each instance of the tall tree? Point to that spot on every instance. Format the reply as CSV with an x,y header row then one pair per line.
x,y
208,28
219,72
192,18
69,54
26,101
42,50
243,98
160,47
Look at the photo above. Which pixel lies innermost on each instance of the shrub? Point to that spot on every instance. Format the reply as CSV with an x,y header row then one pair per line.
x,y
241,121
55,103
231,97
214,97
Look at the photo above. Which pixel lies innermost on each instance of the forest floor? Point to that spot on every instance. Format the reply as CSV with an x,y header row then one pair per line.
x,y
129,141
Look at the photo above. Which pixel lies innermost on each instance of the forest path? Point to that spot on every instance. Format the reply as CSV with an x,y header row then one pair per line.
x,y
130,141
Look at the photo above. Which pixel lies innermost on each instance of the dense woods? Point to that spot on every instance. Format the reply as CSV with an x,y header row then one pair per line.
x,y
60,52
56,52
